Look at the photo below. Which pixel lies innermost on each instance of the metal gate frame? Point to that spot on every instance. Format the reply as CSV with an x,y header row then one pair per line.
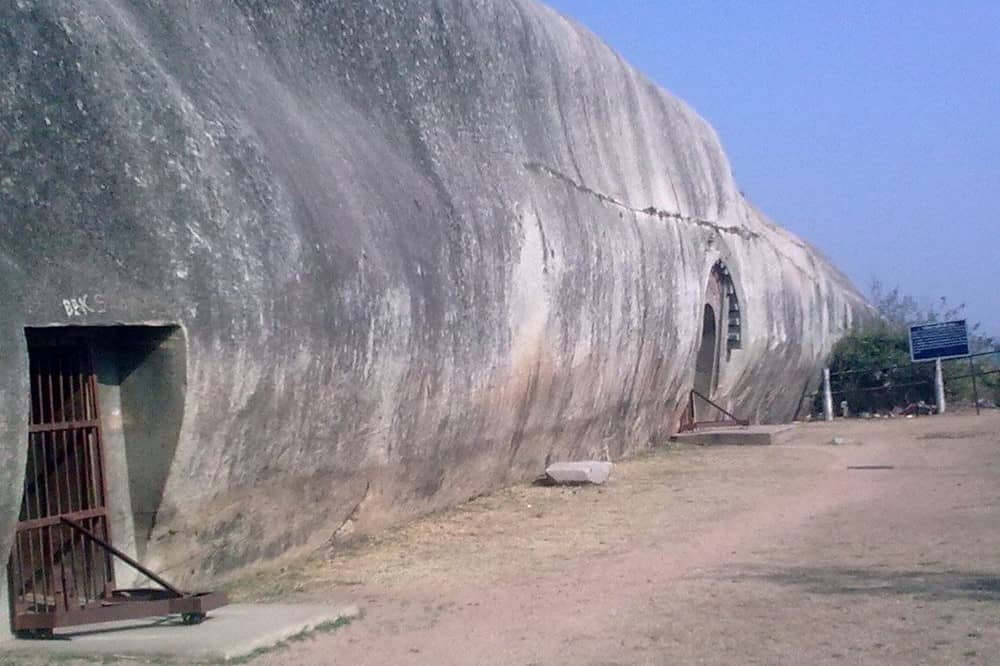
x,y
689,422
60,572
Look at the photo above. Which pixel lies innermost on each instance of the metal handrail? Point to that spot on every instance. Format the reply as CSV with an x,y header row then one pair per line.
x,y
690,423
717,406
122,556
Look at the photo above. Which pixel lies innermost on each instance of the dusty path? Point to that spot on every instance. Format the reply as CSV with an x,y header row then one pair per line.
x,y
773,555
710,556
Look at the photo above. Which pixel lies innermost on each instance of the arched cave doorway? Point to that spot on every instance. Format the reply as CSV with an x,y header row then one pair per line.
x,y
721,332
707,359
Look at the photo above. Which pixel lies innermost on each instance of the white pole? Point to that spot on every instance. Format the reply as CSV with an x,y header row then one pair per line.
x,y
939,386
827,395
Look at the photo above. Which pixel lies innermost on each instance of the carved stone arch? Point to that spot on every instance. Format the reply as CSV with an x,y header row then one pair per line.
x,y
732,308
720,332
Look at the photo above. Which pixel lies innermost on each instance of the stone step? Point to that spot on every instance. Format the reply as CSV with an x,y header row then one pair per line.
x,y
755,435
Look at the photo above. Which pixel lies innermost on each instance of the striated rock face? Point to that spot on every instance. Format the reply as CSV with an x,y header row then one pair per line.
x,y
416,249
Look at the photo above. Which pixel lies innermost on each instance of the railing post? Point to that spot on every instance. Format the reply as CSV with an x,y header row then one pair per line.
x,y
827,395
939,387
975,388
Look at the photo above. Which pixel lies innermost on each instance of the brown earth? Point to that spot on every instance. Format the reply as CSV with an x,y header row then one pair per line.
x,y
728,555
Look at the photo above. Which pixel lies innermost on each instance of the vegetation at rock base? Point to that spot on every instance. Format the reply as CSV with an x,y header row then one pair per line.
x,y
871,368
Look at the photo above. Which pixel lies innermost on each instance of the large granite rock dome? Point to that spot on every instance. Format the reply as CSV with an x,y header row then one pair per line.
x,y
415,249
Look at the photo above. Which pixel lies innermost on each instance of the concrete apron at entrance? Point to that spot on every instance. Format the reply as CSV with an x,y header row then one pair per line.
x,y
755,435
228,633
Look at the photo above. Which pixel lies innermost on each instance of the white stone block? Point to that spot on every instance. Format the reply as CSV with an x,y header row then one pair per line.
x,y
590,471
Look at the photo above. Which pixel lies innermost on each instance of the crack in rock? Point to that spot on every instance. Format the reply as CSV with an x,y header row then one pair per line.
x,y
652,211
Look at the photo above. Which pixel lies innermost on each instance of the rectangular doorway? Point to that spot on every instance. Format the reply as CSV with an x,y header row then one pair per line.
x,y
62,566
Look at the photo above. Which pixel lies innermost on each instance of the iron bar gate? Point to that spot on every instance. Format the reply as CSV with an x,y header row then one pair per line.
x,y
53,569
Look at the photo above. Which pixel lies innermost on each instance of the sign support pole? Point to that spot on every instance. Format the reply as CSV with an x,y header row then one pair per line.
x,y
975,388
939,387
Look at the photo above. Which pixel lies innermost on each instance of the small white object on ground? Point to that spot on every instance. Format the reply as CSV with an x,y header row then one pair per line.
x,y
590,471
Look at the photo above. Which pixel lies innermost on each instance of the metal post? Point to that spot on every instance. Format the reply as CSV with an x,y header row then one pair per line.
x,y
939,387
975,388
827,395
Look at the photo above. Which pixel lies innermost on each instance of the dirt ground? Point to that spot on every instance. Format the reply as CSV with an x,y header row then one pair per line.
x,y
724,555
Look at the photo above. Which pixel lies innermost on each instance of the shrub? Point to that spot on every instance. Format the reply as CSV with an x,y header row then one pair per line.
x,y
871,370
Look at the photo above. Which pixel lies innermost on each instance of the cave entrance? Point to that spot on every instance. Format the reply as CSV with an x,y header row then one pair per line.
x,y
721,328
707,361
78,493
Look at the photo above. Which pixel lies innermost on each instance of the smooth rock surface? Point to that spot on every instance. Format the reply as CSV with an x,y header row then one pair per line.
x,y
415,248
591,471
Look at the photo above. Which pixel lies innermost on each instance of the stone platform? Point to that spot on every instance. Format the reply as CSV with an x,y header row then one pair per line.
x,y
755,435
228,633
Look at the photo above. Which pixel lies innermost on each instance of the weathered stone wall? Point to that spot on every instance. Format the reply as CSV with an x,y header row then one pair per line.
x,y
417,247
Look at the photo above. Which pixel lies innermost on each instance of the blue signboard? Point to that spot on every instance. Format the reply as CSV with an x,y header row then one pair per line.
x,y
947,339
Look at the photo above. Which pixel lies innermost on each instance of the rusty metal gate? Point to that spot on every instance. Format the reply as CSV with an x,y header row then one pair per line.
x,y
61,567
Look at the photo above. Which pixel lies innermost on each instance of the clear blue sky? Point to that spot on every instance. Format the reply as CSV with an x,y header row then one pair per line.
x,y
871,129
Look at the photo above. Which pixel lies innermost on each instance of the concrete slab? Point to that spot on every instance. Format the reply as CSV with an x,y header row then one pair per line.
x,y
755,435
227,633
